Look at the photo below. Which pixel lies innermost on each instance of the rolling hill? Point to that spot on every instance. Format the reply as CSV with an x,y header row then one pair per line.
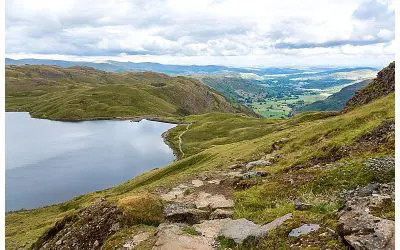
x,y
80,92
336,101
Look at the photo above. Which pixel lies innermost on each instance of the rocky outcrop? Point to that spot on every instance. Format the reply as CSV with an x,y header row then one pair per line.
x,y
88,229
382,85
365,222
184,213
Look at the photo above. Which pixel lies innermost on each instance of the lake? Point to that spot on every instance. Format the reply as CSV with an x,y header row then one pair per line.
x,y
49,162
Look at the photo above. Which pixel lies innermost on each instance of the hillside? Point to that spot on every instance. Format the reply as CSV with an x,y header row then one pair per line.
x,y
382,85
304,182
78,92
336,101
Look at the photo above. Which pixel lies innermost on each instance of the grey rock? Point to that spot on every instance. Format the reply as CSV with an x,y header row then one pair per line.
x,y
258,163
361,229
197,183
304,229
368,190
221,214
242,229
253,174
115,227
302,206
239,230
172,237
184,214
205,200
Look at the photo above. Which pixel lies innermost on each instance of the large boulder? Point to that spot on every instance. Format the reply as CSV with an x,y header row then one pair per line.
x,y
241,229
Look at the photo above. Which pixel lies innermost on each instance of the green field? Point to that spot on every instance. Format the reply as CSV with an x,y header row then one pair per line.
x,y
278,108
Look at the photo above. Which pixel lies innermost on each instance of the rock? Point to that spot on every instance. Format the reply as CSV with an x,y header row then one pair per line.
x,y
361,229
184,214
206,200
258,163
175,194
236,166
242,229
253,174
197,183
302,206
210,228
221,214
239,230
172,237
275,223
88,228
132,243
216,182
115,227
368,190
304,229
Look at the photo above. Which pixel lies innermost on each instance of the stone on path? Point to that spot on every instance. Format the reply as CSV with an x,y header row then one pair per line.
x,y
176,193
184,214
206,200
211,228
172,237
221,214
304,229
197,183
216,182
241,229
132,243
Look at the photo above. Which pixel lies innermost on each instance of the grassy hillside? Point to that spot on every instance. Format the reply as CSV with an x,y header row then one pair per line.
x,y
316,156
84,93
335,102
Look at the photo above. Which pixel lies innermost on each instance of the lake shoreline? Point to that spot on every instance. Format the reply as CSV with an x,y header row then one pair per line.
x,y
163,139
172,120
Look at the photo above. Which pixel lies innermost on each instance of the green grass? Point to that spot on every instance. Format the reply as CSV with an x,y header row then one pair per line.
x,y
217,140
79,93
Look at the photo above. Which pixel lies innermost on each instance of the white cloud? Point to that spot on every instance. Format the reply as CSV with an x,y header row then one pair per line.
x,y
233,32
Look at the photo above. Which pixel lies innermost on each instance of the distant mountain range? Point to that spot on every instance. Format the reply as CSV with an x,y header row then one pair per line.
x,y
115,66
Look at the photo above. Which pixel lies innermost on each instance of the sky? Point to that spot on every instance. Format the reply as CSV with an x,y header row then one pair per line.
x,y
222,32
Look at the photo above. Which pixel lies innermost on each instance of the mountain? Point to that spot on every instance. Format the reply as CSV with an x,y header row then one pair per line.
x,y
114,66
316,180
336,101
382,85
81,92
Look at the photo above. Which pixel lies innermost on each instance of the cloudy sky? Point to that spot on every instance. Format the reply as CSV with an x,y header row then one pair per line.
x,y
225,32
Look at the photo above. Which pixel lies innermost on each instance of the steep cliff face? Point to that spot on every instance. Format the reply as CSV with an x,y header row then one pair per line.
x,y
382,85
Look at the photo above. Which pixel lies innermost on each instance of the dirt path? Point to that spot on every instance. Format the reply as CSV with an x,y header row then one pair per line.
x,y
180,140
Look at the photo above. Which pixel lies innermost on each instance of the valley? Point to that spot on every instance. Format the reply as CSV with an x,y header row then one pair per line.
x,y
271,176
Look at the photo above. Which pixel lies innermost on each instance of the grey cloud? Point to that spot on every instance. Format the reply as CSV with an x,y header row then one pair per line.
x,y
373,10
328,44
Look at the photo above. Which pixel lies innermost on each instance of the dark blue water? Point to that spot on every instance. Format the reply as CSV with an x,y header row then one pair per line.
x,y
50,161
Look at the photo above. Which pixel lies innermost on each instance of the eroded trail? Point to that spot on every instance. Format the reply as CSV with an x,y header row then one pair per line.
x,y
180,139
